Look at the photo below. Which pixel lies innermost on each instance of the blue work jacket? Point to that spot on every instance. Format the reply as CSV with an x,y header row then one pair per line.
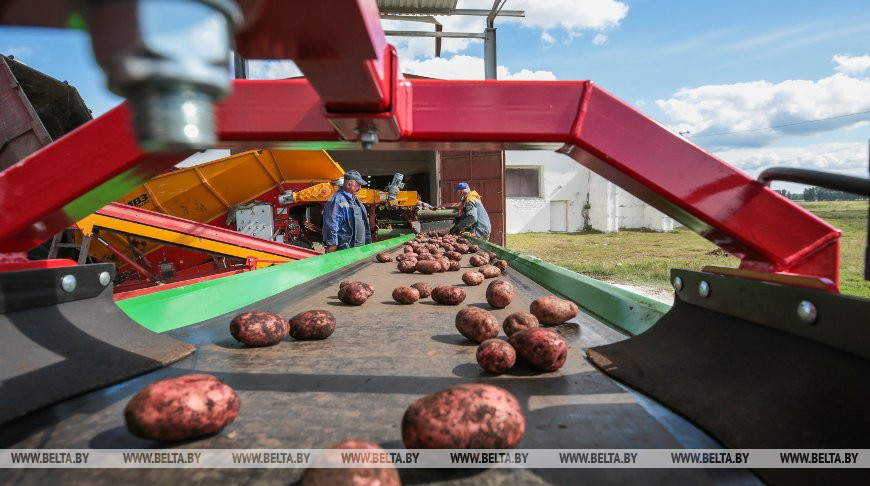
x,y
338,220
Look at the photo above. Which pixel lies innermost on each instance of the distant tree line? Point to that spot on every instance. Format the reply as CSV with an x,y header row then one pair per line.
x,y
820,194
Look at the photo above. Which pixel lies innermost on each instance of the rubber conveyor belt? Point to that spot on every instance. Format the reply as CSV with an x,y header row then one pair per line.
x,y
358,383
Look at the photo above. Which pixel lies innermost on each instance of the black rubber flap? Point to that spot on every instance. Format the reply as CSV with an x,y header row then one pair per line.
x,y
750,386
60,350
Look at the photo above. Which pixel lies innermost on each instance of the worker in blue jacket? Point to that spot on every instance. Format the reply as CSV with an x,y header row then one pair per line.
x,y
473,217
345,219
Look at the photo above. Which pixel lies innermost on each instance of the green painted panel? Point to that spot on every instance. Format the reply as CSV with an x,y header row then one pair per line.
x,y
183,306
625,311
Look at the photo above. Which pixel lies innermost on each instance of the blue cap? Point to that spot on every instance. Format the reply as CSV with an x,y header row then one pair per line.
x,y
353,175
462,186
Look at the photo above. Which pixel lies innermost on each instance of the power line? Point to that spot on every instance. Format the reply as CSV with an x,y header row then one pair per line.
x,y
778,126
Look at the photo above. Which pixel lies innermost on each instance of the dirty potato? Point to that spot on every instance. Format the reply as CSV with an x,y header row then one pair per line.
x,y
386,475
407,266
445,263
489,271
181,408
454,255
428,266
542,348
501,264
384,257
424,289
519,321
455,266
259,328
470,416
477,260
496,356
499,293
406,295
476,324
448,295
472,278
354,293
313,324
551,310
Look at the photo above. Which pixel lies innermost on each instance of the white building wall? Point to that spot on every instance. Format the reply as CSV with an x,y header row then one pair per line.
x,y
592,201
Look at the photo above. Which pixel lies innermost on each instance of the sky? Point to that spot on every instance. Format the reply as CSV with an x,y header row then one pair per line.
x,y
759,84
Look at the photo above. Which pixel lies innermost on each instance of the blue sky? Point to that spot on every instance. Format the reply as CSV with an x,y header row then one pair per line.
x,y
705,68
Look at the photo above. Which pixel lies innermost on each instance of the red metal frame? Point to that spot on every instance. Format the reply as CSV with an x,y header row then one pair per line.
x,y
348,66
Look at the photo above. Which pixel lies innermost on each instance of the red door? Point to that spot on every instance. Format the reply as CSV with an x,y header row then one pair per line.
x,y
484,172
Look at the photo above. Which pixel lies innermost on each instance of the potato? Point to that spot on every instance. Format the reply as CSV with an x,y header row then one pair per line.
x,y
496,356
354,293
424,289
181,408
386,475
543,348
455,266
477,260
408,249
445,263
462,249
472,278
499,293
473,248
425,257
462,241
448,295
428,266
453,255
469,416
259,328
406,256
313,324
489,271
368,288
384,257
406,295
519,321
552,310
407,266
501,264
476,324
492,256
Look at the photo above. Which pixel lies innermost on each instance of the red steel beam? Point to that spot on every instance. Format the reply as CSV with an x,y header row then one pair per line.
x,y
203,231
766,231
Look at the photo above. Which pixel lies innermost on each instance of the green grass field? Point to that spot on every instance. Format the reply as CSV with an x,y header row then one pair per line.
x,y
644,258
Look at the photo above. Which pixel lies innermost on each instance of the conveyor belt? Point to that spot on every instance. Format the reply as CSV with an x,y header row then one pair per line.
x,y
357,384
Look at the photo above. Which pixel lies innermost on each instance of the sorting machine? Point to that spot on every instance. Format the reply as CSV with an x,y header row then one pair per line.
x,y
769,355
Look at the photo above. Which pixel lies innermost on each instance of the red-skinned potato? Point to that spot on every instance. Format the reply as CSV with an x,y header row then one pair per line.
x,y
259,328
519,321
384,257
489,271
496,356
407,266
477,260
424,289
473,248
470,416
313,324
445,263
462,249
448,295
542,348
406,295
455,266
472,278
476,324
501,265
182,408
425,257
551,310
499,293
386,475
408,249
428,266
354,293
454,255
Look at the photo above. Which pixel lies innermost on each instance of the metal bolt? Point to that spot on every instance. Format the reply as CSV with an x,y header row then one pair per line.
x,y
704,289
807,312
105,278
368,137
678,283
68,283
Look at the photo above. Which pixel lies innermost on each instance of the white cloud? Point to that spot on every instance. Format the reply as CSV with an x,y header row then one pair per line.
x,y
548,39
569,15
751,108
21,52
847,64
599,39
844,158
466,67
272,69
